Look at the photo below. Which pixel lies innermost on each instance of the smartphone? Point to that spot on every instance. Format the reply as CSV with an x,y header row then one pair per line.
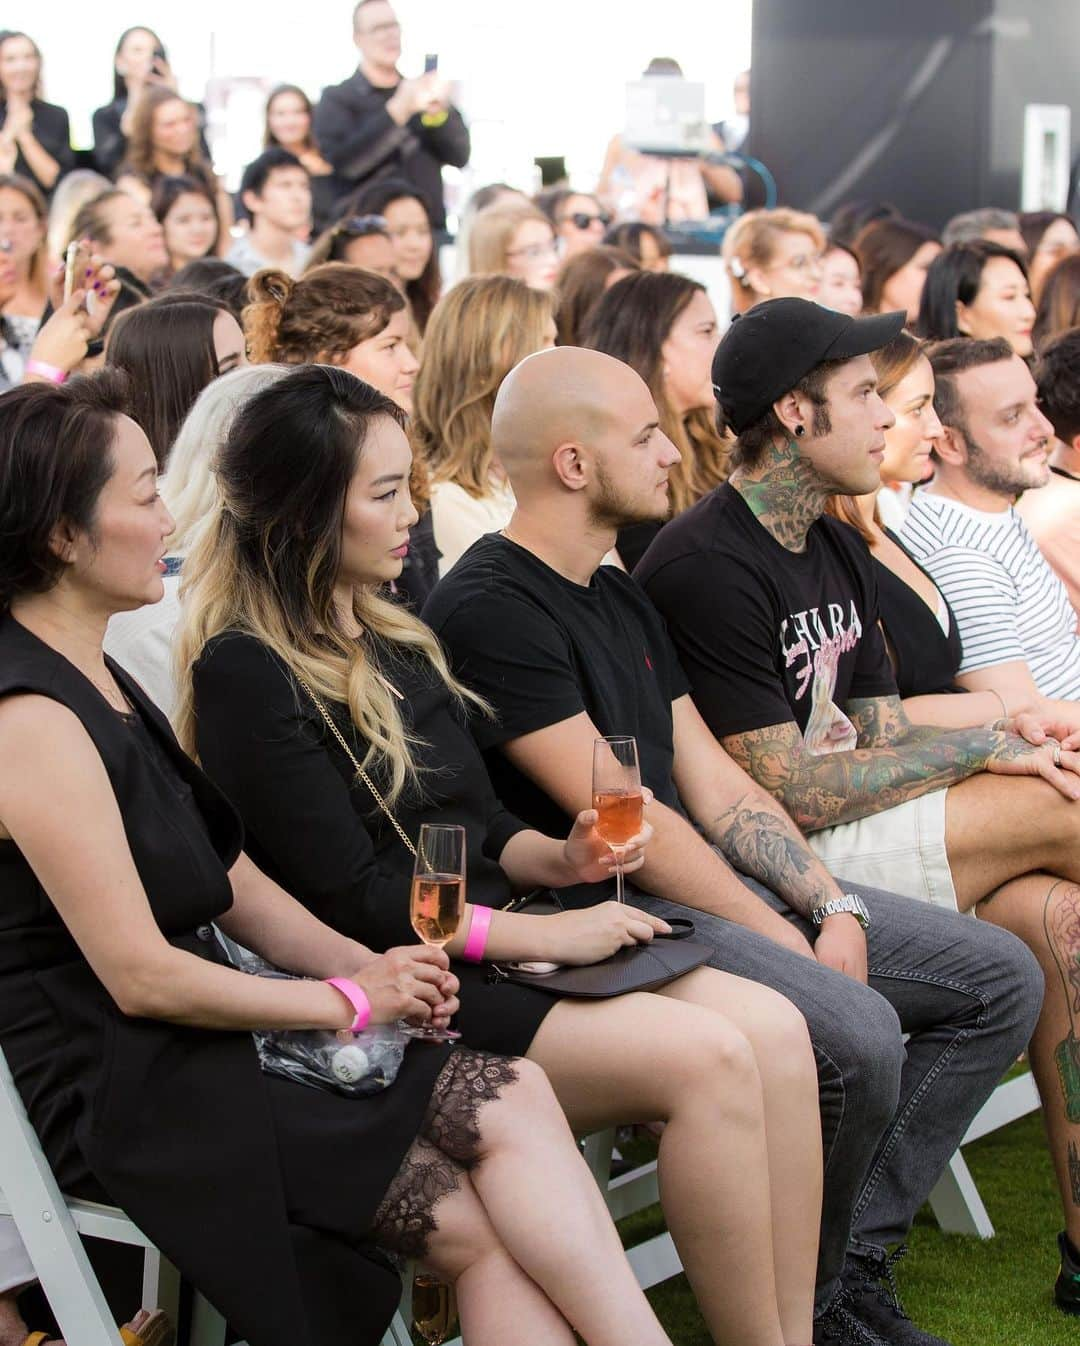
x,y
70,259
431,62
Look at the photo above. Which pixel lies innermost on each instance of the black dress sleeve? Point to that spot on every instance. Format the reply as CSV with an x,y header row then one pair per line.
x,y
110,143
267,752
52,131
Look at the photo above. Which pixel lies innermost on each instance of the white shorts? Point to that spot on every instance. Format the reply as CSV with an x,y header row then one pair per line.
x,y
901,849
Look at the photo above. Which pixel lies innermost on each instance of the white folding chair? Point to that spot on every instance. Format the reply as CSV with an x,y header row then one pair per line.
x,y
50,1227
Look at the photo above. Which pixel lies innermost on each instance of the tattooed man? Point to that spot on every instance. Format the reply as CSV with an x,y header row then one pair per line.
x,y
773,609
566,649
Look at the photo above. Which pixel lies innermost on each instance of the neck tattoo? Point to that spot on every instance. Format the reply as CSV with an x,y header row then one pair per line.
x,y
784,493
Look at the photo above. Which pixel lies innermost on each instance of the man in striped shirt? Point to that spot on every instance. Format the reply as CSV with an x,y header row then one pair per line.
x,y
1015,619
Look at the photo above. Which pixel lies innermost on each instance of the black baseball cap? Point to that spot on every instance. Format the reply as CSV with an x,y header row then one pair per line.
x,y
766,352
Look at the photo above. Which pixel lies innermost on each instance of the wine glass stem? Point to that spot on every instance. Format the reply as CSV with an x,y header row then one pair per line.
x,y
617,853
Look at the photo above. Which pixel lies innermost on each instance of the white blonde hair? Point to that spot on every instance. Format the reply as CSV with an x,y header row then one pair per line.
x,y
188,486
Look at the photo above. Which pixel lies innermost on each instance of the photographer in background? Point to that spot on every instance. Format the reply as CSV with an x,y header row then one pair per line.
x,y
378,124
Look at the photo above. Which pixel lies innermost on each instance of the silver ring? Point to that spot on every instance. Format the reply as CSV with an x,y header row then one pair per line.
x,y
1057,754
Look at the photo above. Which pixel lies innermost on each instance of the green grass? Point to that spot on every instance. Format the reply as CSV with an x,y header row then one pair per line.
x,y
973,1292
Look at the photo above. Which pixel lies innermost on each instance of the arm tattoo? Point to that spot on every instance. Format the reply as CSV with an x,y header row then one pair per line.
x,y
823,790
1061,922
759,839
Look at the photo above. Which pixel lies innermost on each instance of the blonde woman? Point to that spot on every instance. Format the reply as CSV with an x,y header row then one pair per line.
x,y
508,239
286,589
476,335
140,640
774,254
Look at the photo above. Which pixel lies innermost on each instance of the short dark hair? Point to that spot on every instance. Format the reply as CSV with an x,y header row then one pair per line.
x,y
166,346
956,356
629,234
212,278
258,171
953,277
883,247
55,459
750,447
1058,378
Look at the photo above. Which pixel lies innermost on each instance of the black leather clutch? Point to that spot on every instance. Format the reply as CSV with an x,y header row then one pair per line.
x,y
641,967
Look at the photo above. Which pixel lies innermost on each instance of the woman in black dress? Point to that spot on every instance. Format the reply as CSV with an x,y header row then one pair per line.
x,y
130,1041
35,138
282,587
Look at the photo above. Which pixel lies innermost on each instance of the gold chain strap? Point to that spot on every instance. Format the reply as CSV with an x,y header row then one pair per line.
x,y
359,769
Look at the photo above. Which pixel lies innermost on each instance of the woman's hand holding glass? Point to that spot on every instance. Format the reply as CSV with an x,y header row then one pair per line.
x,y
591,858
413,982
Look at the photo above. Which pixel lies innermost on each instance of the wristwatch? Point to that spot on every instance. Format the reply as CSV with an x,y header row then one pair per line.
x,y
847,904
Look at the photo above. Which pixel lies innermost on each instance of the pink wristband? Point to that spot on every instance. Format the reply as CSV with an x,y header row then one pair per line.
x,y
357,998
51,372
473,951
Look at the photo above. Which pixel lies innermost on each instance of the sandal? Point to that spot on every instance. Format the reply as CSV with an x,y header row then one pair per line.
x,y
154,1330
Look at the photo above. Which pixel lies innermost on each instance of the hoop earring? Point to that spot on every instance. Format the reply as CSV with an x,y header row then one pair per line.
x,y
800,430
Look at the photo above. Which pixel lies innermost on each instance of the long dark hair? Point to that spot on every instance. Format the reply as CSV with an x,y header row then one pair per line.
x,y
140,150
631,322
168,190
882,248
423,292
580,286
166,346
55,460
1059,303
953,277
120,88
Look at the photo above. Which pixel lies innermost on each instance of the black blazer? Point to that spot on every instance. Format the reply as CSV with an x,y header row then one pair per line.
x,y
359,137
177,1125
52,130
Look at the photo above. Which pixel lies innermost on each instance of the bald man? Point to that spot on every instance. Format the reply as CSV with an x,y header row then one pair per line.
x,y
567,650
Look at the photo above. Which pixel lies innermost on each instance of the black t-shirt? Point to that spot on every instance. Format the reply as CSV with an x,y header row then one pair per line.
x,y
542,649
767,635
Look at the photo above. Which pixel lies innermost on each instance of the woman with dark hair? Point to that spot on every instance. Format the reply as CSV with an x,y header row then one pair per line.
x,y
164,141
978,289
852,217
23,225
139,63
416,257
186,209
288,125
216,279
285,590
171,348
129,1036
35,137
360,240
663,326
1059,304
647,244
580,286
1049,236
841,280
894,255
341,315
578,218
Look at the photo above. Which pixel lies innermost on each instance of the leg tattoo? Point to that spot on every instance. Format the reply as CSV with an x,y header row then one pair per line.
x,y
1061,921
1074,1172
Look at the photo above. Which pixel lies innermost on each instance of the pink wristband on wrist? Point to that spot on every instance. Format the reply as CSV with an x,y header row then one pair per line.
x,y
46,371
473,951
357,998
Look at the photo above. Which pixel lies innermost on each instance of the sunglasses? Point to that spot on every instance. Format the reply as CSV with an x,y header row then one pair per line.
x,y
582,220
360,226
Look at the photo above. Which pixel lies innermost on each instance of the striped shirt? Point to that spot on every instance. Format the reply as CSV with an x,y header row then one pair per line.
x,y
1008,603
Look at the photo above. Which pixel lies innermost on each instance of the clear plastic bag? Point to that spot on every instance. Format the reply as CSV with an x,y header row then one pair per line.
x,y
353,1064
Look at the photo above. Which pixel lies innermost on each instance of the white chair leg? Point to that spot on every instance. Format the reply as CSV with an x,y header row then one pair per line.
x,y
207,1325
161,1284
956,1203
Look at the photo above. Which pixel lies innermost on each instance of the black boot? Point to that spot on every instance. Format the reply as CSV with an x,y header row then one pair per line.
x,y
1067,1289
876,1299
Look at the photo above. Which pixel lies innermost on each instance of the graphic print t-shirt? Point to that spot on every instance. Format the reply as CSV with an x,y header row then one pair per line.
x,y
766,635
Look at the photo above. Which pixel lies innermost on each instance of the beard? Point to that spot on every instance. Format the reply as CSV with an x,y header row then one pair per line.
x,y
1004,478
615,508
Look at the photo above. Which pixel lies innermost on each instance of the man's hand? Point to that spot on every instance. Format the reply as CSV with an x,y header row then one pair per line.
x,y
841,945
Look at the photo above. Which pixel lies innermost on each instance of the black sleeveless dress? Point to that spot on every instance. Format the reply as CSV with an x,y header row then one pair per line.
x,y
317,830
261,1191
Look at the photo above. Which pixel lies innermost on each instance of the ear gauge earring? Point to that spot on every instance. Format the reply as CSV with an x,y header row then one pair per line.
x,y
800,430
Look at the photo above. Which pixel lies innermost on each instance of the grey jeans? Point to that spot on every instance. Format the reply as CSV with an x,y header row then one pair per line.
x,y
967,993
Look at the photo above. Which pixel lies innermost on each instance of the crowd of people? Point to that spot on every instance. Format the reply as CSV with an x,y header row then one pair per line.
x,y
304,545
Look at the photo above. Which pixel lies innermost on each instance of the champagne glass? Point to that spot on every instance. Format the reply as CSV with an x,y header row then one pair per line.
x,y
437,903
616,797
434,1308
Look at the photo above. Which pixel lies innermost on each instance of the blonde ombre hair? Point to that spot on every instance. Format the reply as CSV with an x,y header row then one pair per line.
x,y
266,563
492,235
476,334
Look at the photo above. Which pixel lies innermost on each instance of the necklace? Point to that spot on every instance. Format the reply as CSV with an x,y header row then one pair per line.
x,y
110,693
